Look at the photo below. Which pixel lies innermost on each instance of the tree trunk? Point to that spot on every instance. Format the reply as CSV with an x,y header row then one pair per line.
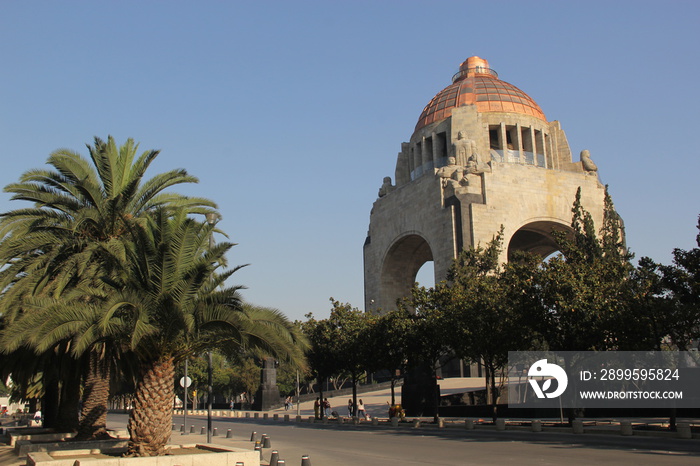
x,y
93,415
67,420
494,394
354,395
50,402
151,419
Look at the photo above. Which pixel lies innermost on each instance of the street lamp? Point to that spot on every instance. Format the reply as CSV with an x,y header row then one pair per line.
x,y
212,218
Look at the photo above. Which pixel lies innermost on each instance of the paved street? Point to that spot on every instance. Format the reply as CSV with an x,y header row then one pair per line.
x,y
334,445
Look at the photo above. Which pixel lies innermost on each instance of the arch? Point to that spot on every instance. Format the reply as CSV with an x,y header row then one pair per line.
x,y
536,237
401,264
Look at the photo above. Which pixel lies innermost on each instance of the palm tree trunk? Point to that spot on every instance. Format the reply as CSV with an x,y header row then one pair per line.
x,y
93,415
68,406
151,419
49,404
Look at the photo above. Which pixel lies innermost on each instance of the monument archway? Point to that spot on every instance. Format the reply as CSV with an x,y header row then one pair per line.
x,y
536,238
401,264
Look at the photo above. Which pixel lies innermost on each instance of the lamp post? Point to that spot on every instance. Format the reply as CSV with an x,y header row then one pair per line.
x,y
212,218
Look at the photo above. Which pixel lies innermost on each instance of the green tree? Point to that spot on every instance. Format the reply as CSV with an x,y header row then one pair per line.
x,y
488,308
173,303
682,282
428,345
340,343
586,288
390,340
73,235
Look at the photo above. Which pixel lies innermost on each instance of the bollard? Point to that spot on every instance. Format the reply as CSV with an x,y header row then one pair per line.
x,y
298,419
394,422
500,424
416,423
265,416
355,420
229,434
275,417
325,420
266,442
625,428
258,448
469,424
536,425
274,457
683,430
247,415
203,430
305,461
256,415
182,427
286,418
252,436
281,463
173,426
440,423
311,419
214,434
375,421
192,429
577,426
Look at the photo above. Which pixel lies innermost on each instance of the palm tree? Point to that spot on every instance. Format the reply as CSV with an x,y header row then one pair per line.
x,y
173,302
75,234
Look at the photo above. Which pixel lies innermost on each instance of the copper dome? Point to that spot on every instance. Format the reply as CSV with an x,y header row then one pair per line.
x,y
477,84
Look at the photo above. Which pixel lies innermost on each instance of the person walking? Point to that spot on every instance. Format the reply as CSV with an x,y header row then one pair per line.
x,y
361,413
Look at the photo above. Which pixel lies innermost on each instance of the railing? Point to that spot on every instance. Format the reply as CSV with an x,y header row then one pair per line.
x,y
476,70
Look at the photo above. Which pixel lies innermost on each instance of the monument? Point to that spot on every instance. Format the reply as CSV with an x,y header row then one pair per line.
x,y
268,395
482,155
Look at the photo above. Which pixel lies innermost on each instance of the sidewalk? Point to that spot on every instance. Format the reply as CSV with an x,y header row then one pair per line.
x,y
377,403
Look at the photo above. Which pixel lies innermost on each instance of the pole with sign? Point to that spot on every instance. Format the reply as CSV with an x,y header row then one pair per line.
x,y
185,382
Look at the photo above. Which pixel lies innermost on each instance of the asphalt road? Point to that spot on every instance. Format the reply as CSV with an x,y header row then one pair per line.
x,y
346,445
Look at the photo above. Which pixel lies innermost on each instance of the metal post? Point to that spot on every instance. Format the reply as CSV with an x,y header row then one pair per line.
x,y
184,416
298,412
210,395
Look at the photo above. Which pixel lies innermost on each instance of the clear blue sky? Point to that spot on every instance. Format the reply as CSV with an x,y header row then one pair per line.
x,y
291,113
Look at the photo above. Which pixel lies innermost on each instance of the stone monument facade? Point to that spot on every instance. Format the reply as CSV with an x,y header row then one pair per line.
x,y
482,155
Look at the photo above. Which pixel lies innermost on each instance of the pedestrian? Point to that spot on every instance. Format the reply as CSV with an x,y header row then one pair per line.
x,y
327,407
317,408
351,408
361,413
286,403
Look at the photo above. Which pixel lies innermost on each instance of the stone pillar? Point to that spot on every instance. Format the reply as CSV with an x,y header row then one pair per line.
x,y
427,151
503,141
268,395
420,393
417,158
438,149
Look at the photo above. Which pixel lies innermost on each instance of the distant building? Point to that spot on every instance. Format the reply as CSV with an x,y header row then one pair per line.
x,y
482,155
